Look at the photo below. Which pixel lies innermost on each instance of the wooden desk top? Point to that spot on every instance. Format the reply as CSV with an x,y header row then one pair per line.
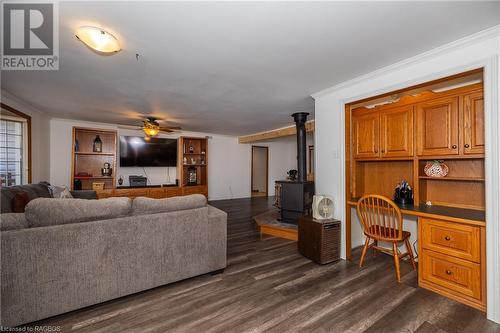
x,y
469,216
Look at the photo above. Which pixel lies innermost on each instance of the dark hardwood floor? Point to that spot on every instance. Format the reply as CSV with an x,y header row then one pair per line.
x,y
268,286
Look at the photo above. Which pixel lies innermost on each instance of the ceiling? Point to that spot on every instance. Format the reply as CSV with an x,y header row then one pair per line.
x,y
232,67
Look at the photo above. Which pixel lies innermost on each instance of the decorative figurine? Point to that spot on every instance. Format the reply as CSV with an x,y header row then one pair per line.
x,y
192,176
403,193
107,170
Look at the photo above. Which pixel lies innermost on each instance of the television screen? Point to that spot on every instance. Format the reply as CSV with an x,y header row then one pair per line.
x,y
155,152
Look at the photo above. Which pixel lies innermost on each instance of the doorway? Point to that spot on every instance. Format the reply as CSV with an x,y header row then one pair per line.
x,y
260,171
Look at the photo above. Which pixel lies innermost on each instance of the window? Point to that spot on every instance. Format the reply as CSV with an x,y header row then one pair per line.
x,y
14,141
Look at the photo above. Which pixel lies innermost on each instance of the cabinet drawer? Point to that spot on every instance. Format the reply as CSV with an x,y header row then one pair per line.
x,y
157,193
174,191
458,240
101,194
200,189
457,275
132,193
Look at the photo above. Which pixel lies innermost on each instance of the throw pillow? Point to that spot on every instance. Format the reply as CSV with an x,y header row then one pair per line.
x,y
19,202
60,192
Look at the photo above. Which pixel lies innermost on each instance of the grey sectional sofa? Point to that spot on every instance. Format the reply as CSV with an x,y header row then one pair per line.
x,y
66,254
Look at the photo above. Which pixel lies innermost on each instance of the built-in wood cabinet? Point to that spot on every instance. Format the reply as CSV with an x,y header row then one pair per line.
x,y
87,162
451,126
153,192
394,141
366,134
396,132
473,123
438,127
453,261
387,133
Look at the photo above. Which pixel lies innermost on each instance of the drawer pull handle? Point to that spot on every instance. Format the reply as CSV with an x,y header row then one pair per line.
x,y
454,147
447,238
466,145
448,272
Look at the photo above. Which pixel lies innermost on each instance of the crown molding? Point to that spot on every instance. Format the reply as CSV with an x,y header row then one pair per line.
x,y
446,48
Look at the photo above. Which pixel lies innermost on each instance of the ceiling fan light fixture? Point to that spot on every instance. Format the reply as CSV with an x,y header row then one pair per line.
x,y
151,128
98,39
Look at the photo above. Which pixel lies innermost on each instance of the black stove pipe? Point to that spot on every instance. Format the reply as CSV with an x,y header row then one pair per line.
x,y
300,119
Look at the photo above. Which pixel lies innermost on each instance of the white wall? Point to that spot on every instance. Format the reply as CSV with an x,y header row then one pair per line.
x,y
40,142
229,170
259,168
479,50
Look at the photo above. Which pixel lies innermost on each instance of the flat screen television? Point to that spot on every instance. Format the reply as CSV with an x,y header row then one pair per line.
x,y
155,152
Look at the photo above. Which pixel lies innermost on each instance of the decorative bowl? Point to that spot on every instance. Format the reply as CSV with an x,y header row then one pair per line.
x,y
436,169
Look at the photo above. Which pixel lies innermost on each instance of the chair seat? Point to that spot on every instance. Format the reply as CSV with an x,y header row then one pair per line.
x,y
387,232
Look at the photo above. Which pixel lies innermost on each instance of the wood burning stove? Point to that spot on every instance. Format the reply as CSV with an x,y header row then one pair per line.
x,y
294,198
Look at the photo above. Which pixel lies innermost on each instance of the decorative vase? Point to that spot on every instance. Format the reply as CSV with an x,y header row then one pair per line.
x,y
436,169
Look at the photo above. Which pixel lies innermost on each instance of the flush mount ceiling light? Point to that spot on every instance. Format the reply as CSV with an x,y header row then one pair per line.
x,y
98,39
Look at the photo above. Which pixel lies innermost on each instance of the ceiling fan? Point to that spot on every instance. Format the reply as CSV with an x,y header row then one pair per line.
x,y
151,127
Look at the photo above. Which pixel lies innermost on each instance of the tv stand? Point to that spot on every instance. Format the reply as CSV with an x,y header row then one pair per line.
x,y
147,186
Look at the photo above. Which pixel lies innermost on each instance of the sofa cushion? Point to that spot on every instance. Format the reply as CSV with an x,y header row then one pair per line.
x,y
143,205
34,191
12,221
45,212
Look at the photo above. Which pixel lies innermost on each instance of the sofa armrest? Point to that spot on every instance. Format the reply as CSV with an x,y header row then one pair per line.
x,y
217,220
84,194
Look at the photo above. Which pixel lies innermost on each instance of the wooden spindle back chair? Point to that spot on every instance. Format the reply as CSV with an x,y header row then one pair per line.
x,y
382,221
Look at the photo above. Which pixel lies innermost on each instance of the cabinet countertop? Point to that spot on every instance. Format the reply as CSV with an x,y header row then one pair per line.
x,y
463,215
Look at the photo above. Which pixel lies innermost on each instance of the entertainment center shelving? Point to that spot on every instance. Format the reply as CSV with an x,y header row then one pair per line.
x,y
86,161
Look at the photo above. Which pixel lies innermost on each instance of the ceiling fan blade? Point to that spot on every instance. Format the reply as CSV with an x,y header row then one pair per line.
x,y
169,129
129,127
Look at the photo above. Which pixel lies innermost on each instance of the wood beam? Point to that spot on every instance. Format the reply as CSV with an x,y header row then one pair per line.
x,y
275,133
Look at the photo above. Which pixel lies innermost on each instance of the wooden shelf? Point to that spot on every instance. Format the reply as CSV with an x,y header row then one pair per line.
x,y
93,177
465,179
93,154
86,161
192,149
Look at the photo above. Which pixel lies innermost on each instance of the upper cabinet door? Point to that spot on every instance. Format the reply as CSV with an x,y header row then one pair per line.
x,y
366,135
437,127
397,132
473,123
